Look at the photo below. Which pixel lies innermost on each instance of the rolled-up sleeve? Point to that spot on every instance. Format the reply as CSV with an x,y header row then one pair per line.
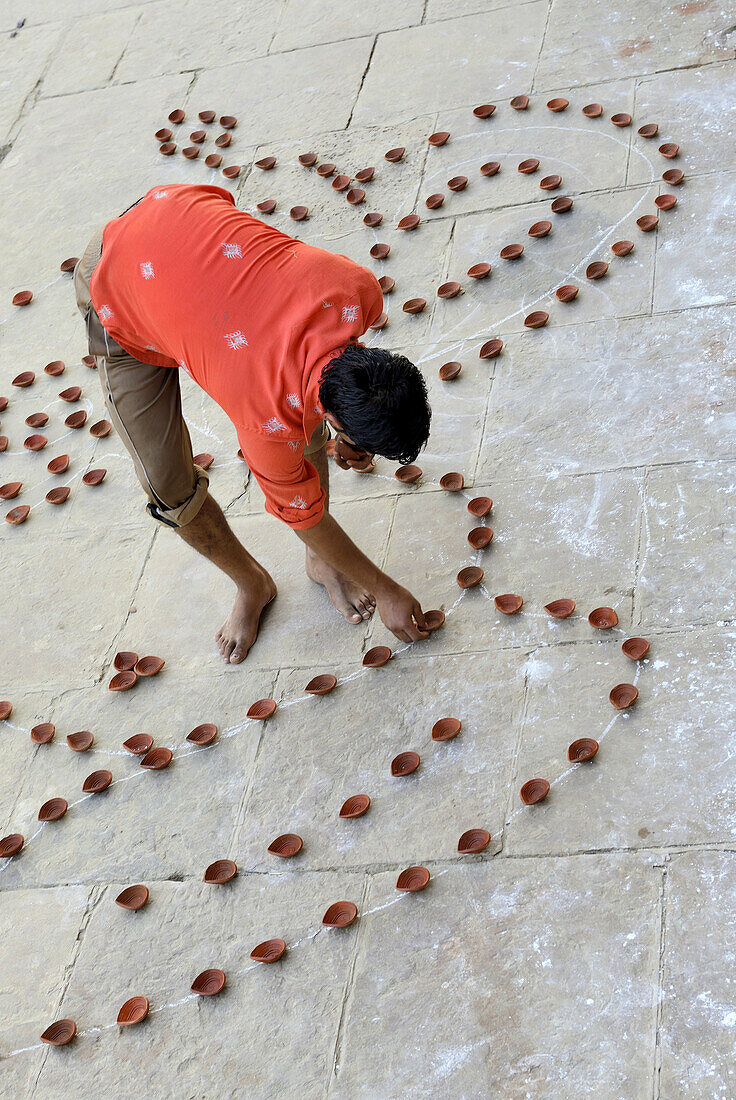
x,y
289,483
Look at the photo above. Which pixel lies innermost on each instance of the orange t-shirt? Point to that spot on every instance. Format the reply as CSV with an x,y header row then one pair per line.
x,y
253,315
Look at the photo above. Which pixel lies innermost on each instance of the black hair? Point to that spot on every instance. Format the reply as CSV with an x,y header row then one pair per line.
x,y
380,400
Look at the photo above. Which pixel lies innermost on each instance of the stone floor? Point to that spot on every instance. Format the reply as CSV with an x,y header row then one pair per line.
x,y
589,951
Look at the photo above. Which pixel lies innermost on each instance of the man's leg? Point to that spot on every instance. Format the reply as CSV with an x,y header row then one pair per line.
x,y
350,599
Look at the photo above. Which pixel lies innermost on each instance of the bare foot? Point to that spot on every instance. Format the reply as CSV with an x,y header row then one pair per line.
x,y
240,630
350,599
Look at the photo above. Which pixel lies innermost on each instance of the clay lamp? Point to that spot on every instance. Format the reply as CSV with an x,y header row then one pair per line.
x,y
35,442
3,443
449,290
365,175
10,490
411,221
341,183
557,105
220,872
204,734
480,506
511,251
669,150
24,379
37,420
395,155
340,914
560,609
198,136
440,138
414,305
470,576
355,196
550,183
213,160
231,172
6,709
662,202
228,122
452,482
80,742
473,841
286,846
97,781
377,657
321,685
623,695
177,116
485,110
58,495
480,537
566,293
490,349
355,806
449,371
622,248
124,660
386,284
60,1033
593,110
489,168
207,116
479,271
380,251
635,648
209,983
433,202
10,845
89,361
134,1011
537,319
528,166
157,759
261,709
446,729
307,160
94,477
582,750
519,102
191,152
73,393
132,897
298,213
412,879
673,176
67,266
162,135
139,744
596,270
270,951
379,324
266,163
53,809
101,429
43,733
621,119
123,681
23,298
223,140
373,220
3,404
649,130
533,791
326,170
458,183
149,666
509,603
603,618
204,460
76,419
562,205
18,515
404,764
168,148
540,229
408,474
434,619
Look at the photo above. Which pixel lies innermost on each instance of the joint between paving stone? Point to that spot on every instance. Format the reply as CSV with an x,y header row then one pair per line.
x,y
346,997
659,989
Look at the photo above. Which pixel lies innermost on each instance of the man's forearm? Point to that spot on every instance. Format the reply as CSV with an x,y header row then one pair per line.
x,y
328,540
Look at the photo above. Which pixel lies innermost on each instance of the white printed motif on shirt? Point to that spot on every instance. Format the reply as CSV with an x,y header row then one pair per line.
x,y
349,313
160,194
147,270
232,252
274,425
294,444
235,340
105,313
293,400
326,305
298,502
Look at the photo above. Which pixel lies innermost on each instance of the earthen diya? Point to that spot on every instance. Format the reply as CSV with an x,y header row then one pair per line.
x,y
76,419
449,371
220,872
213,160
298,213
408,474
473,841
326,170
355,806
665,202
434,619
223,140
209,983
55,368
6,709
204,460
480,537
537,319
80,742
449,290
231,172
566,293
509,603
24,379
596,270
97,781
479,271
411,221
134,1011
373,220
321,685
582,750
380,251
648,130
168,148
10,845
207,116
550,183
647,222
261,709
72,393
53,809
340,914
58,495
149,666
23,298
562,205
10,490
440,138
519,102
484,110
59,1033
139,744
395,155
490,349
540,229
365,175
470,576
266,163
490,168
452,482
132,897
177,116
412,879
526,167
673,176
446,729
380,323
18,515
37,420
3,443
592,110
377,657
386,284
101,429
621,119
623,695
3,404
203,734
558,104
228,122
157,759
480,506
622,248
603,618
635,648
669,149
198,136
307,160
162,135
270,951
355,196
35,442
533,791
286,845
68,265
457,183
560,609
404,764
43,733
191,152
94,477
125,660
414,305
89,361
511,251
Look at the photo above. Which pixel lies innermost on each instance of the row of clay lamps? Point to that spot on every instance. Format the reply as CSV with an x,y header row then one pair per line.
x,y
198,137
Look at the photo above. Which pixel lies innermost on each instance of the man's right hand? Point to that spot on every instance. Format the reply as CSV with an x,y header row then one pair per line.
x,y
400,612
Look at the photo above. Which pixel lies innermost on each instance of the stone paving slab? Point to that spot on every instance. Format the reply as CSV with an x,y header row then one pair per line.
x,y
90,51
23,58
310,23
